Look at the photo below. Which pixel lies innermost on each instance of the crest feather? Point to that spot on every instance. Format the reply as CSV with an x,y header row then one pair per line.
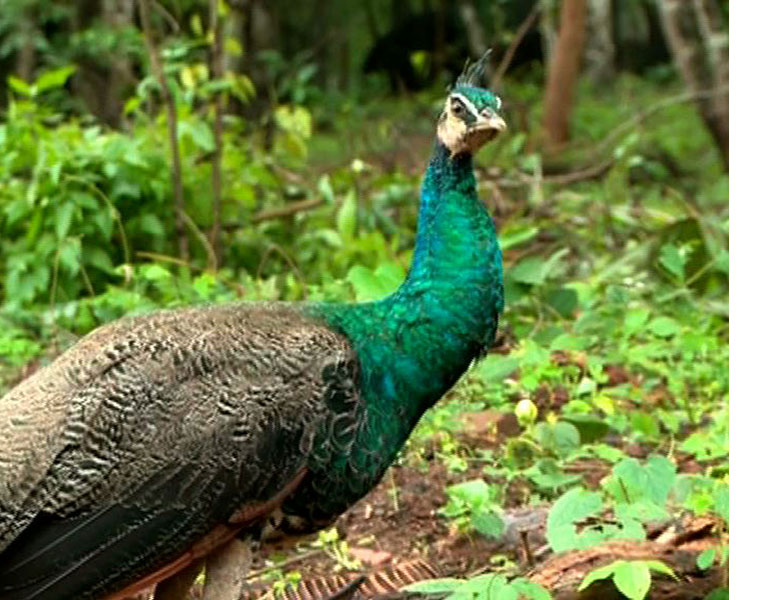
x,y
474,75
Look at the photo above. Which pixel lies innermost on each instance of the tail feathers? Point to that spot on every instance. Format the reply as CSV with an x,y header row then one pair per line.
x,y
87,556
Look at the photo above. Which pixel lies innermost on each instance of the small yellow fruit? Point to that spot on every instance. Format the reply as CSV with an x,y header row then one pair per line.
x,y
526,412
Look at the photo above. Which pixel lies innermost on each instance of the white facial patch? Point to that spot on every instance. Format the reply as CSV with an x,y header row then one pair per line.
x,y
467,104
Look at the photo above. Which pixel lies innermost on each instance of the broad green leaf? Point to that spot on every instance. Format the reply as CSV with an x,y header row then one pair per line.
x,y
660,567
324,187
721,501
486,586
19,86
633,579
529,590
564,300
634,321
434,586
515,237
63,217
54,79
561,437
664,326
489,523
494,368
573,506
345,220
673,261
706,558
597,575
529,270
589,427
632,481
475,492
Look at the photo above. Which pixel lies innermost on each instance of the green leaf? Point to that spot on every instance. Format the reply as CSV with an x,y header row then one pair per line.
x,y
631,481
664,326
345,220
475,492
529,270
660,567
54,79
706,558
635,319
324,187
574,505
151,224
435,586
19,86
633,579
63,217
515,237
486,586
494,368
721,501
597,575
529,590
198,131
589,427
489,523
563,300
369,285
561,437
673,261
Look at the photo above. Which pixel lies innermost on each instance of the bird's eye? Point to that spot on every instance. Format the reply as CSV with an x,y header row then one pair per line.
x,y
457,108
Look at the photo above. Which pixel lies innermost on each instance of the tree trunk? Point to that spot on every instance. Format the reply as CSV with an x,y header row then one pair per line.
x,y
700,47
26,59
563,73
600,47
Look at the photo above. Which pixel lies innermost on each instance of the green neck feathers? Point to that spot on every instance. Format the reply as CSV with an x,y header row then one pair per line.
x,y
415,344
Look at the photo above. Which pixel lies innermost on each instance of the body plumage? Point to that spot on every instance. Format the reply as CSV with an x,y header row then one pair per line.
x,y
158,437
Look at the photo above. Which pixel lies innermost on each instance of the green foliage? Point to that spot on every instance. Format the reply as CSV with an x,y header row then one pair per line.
x,y
482,587
632,578
474,507
617,288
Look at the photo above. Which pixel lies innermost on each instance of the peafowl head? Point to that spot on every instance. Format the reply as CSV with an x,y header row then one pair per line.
x,y
470,117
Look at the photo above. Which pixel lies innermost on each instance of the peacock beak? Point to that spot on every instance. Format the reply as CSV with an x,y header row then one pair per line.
x,y
492,122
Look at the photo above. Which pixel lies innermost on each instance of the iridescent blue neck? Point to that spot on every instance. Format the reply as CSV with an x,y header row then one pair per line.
x,y
422,338
415,344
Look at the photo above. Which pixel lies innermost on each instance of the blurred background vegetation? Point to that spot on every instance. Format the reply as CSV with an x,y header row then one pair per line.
x,y
155,154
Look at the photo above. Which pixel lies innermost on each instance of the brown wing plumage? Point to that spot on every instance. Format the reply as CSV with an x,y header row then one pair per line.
x,y
149,432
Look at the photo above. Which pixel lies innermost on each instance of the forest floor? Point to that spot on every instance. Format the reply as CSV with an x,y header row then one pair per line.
x,y
397,536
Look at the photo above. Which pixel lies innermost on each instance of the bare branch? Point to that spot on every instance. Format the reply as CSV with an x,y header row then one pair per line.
x,y
171,116
522,30
217,72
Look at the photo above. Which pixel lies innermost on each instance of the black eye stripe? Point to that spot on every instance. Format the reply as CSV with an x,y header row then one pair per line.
x,y
462,111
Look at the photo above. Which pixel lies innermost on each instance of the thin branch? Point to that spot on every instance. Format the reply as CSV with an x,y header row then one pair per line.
x,y
520,34
168,17
655,108
171,114
210,256
217,72
598,169
279,213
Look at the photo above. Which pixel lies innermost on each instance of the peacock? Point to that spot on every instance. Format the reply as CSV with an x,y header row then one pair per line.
x,y
159,442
